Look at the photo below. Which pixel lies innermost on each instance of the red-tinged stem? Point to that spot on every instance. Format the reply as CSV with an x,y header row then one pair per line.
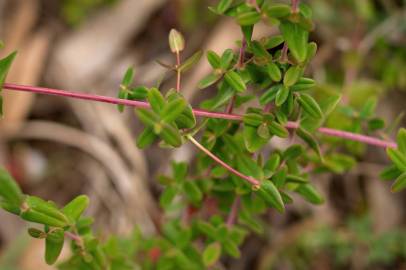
x,y
249,179
197,112
178,71
284,53
295,6
357,137
232,216
241,55
74,237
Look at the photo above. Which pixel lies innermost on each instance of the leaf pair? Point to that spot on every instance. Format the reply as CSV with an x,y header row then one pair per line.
x,y
165,118
222,66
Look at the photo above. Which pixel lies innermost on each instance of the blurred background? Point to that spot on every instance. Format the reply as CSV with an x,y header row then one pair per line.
x,y
58,148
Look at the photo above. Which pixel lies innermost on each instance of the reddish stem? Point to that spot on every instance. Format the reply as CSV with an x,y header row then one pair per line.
x,y
295,6
233,213
249,179
74,237
197,112
178,71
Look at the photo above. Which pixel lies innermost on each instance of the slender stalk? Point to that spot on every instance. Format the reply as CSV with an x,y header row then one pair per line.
x,y
197,112
249,179
295,6
284,53
74,237
232,216
178,71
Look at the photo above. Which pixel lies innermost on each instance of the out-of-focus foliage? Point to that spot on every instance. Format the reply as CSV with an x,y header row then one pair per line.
x,y
75,11
353,243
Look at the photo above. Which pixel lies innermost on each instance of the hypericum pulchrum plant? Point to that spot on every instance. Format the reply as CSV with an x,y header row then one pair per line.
x,y
236,177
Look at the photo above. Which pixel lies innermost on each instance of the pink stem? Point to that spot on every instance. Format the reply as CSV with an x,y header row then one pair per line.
x,y
233,212
197,112
74,237
249,179
178,71
295,6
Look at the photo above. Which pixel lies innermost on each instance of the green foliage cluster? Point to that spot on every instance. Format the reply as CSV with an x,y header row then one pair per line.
x,y
235,179
354,241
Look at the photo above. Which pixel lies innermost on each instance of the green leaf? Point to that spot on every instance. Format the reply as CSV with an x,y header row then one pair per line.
x,y
303,84
310,106
76,207
397,158
277,10
263,131
292,75
368,108
128,77
279,178
37,210
249,167
146,138
248,18
148,117
390,173
231,248
213,59
272,42
176,41
35,233
376,124
253,119
278,130
293,152
296,179
296,38
53,245
167,196
5,65
206,228
253,142
260,52
400,183
191,61
173,109
9,190
138,93
192,191
211,254
309,139
226,59
274,72
235,81
309,193
311,50
247,31
210,79
270,94
223,6
41,218
156,100
401,140
282,95
272,164
270,194
171,135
